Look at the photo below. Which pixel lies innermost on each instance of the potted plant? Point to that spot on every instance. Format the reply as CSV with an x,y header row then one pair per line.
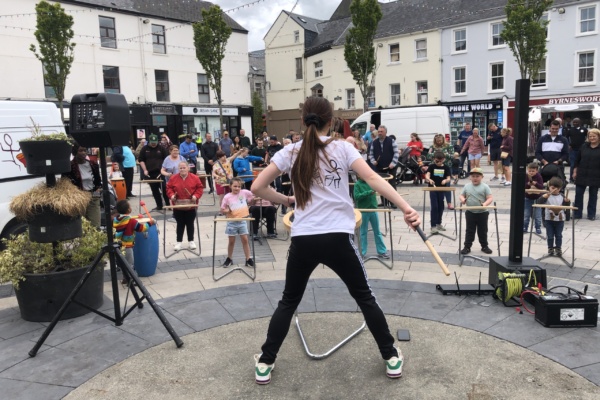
x,y
52,212
46,153
44,274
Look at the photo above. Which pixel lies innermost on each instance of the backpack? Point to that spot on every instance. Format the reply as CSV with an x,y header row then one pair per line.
x,y
117,154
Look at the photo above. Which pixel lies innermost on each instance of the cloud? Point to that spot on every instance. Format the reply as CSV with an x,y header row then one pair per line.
x,y
259,17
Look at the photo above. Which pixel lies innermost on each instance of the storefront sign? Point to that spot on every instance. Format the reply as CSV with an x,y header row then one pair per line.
x,y
232,112
163,110
473,107
575,99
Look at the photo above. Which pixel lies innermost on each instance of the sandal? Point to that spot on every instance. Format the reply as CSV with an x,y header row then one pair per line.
x,y
450,207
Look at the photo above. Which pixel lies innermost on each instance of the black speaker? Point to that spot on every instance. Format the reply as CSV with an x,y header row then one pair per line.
x,y
100,120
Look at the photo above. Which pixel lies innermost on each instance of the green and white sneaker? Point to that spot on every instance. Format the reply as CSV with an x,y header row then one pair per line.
x,y
262,371
393,366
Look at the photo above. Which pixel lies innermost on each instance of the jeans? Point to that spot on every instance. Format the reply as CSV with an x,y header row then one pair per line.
x,y
572,158
554,230
437,207
448,196
537,214
463,157
373,218
476,222
592,201
338,252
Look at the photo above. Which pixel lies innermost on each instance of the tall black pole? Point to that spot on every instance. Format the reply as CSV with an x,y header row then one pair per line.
x,y
517,194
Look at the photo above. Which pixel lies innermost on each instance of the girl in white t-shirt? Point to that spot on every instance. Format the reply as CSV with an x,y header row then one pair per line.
x,y
323,229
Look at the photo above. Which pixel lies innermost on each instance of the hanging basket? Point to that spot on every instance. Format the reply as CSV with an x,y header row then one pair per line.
x,y
48,226
47,156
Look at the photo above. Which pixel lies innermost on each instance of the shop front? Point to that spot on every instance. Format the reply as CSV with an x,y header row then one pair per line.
x,y
478,113
202,120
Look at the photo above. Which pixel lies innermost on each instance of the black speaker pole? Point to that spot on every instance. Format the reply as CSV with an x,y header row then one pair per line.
x,y
517,194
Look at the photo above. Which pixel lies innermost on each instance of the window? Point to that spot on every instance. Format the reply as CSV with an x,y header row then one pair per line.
x,y
587,20
111,79
108,33
162,85
421,49
203,89
539,80
258,87
49,92
395,94
585,67
394,52
296,36
318,69
158,39
299,68
497,76
460,80
422,97
544,18
350,99
317,91
460,40
371,97
496,29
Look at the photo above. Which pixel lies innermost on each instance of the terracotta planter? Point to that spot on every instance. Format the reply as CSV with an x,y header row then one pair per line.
x,y
40,296
46,157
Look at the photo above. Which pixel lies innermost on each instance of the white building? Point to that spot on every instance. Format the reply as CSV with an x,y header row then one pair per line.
x,y
140,49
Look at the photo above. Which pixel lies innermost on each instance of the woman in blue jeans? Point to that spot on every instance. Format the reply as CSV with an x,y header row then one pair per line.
x,y
587,174
323,229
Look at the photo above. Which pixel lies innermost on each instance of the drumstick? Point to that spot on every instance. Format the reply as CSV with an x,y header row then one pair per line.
x,y
433,251
143,204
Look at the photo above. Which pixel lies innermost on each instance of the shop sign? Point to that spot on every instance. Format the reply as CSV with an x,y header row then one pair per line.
x,y
574,99
472,107
164,110
232,112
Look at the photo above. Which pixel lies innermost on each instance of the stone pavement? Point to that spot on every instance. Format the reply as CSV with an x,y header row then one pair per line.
x,y
460,346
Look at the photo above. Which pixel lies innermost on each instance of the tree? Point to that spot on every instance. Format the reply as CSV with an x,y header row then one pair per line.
x,y
359,51
525,33
53,33
210,39
257,124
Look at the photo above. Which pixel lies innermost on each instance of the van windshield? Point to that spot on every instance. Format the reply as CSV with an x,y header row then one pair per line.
x,y
361,126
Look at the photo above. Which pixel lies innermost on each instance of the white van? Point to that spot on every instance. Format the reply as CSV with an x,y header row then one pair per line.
x,y
401,122
15,124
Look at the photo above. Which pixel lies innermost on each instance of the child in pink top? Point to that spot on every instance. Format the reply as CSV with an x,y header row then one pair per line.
x,y
235,205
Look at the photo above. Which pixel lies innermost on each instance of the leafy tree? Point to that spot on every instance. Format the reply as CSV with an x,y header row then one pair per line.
x,y
359,51
525,33
257,125
210,39
53,33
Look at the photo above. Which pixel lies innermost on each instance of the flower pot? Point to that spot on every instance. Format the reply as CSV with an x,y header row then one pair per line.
x,y
48,226
40,296
47,156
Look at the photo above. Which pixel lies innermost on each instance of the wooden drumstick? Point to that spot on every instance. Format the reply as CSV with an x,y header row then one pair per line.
x,y
433,251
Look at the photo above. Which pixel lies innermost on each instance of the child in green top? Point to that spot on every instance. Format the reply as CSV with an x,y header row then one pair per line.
x,y
365,198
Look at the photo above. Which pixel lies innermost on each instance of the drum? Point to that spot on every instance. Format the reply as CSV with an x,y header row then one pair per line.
x,y
119,185
145,251
256,171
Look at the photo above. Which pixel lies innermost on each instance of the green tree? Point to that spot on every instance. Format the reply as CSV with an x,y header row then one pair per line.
x,y
210,39
525,33
257,124
54,33
359,51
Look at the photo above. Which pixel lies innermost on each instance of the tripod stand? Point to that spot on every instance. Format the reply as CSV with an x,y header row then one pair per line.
x,y
115,258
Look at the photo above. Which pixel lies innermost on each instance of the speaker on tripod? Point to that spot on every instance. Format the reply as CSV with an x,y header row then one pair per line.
x,y
102,120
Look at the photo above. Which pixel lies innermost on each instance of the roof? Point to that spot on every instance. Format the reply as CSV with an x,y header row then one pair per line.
x,y
308,23
257,62
180,10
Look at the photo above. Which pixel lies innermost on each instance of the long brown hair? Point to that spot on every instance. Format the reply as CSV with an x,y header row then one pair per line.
x,y
316,114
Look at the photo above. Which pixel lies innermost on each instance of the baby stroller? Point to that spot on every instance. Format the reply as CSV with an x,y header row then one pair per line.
x,y
112,205
410,168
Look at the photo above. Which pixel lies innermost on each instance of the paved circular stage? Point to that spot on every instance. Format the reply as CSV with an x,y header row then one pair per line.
x,y
441,362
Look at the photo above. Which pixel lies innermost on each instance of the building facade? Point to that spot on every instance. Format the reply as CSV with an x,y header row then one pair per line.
x,y
142,50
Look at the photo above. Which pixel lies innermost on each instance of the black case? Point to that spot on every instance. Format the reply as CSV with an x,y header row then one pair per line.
x,y
558,310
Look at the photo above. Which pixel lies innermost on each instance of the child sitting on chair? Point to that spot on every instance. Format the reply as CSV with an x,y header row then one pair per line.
x,y
269,213
115,172
534,181
476,193
235,205
365,198
438,175
455,167
555,217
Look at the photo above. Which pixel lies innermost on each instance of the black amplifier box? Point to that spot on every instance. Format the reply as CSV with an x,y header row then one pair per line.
x,y
560,310
503,264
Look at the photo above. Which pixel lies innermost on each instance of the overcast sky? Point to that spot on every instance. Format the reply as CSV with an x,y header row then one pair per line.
x,y
258,18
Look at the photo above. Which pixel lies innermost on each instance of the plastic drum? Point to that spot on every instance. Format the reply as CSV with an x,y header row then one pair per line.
x,y
120,189
145,251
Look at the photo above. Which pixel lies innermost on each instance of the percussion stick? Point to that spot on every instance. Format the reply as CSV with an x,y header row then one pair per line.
x,y
234,219
557,207
179,206
433,251
477,208
143,204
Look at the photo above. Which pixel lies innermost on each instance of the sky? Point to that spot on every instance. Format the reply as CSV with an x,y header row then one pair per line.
x,y
257,18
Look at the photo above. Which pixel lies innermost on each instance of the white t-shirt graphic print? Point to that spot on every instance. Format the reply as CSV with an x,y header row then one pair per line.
x,y
331,208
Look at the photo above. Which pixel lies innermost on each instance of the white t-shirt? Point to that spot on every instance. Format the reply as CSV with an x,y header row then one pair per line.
x,y
331,208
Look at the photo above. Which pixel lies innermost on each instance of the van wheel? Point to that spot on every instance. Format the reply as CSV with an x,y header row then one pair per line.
x,y
14,229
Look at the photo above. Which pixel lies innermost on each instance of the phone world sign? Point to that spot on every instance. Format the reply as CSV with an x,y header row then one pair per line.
x,y
471,107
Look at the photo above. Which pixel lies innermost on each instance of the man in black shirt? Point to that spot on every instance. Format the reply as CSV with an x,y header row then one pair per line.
x,y
151,158
576,135
209,155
